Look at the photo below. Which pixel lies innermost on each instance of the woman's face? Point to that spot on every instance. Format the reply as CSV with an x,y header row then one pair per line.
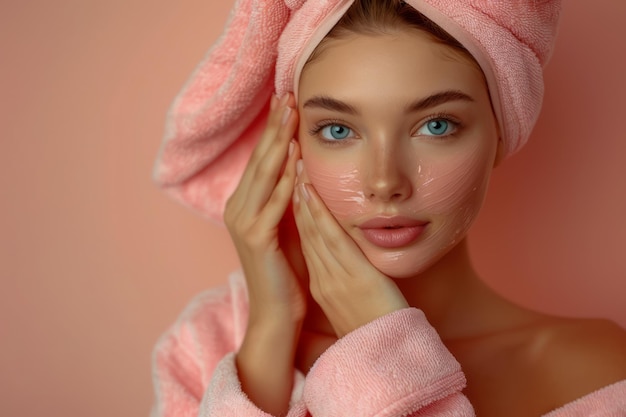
x,y
398,138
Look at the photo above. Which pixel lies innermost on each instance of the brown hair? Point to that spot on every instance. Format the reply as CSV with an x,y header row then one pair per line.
x,y
376,17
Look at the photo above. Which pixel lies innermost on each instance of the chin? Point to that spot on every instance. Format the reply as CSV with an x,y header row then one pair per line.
x,y
408,262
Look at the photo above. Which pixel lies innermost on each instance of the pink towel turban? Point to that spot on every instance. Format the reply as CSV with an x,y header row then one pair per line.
x,y
217,118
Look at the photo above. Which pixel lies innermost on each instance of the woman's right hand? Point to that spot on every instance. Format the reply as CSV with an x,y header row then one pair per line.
x,y
253,217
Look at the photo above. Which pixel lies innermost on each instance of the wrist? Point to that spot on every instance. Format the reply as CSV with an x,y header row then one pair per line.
x,y
270,327
266,362
275,316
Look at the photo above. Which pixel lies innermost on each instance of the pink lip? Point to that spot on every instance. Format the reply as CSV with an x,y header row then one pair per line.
x,y
392,232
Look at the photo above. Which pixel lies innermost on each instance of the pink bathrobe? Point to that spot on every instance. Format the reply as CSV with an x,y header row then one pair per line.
x,y
394,366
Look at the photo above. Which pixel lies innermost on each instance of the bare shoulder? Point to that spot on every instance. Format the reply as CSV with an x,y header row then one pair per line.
x,y
580,356
540,363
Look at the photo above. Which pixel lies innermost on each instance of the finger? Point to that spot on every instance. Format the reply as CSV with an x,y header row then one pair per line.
x,y
237,200
263,169
280,198
303,177
323,265
267,170
274,122
349,289
328,281
268,139
325,237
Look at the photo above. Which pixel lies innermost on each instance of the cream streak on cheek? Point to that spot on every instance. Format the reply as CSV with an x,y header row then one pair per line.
x,y
339,187
454,182
449,193
446,191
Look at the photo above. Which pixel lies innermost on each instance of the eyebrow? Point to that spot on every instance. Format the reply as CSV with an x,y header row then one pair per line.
x,y
328,103
436,99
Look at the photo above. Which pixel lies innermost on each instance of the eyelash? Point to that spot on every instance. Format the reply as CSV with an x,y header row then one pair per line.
x,y
315,130
319,126
456,123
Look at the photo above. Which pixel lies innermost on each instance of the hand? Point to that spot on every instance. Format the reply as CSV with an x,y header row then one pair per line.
x,y
254,216
348,288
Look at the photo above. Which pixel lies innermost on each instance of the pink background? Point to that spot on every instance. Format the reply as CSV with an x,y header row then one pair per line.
x,y
95,262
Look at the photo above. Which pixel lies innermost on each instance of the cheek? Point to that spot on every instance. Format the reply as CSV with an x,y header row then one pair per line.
x,y
338,184
455,191
450,196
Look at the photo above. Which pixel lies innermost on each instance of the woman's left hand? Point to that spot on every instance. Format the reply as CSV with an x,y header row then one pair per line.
x,y
348,288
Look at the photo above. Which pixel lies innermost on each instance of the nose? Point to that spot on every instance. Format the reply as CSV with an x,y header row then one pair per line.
x,y
387,172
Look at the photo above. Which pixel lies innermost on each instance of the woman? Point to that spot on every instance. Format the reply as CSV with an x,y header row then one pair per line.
x,y
359,294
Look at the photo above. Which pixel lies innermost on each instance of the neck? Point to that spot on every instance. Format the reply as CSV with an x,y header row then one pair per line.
x,y
452,296
454,299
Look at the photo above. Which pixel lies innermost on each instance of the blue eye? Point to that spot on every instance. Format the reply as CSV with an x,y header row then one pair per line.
x,y
437,127
336,132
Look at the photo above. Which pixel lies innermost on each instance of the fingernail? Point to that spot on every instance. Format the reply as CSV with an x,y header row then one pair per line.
x,y
299,166
291,146
305,192
286,115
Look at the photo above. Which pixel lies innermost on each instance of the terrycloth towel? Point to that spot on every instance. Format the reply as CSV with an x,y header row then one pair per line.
x,y
218,117
394,366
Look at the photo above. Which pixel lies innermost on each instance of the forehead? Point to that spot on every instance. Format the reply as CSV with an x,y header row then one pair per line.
x,y
407,61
